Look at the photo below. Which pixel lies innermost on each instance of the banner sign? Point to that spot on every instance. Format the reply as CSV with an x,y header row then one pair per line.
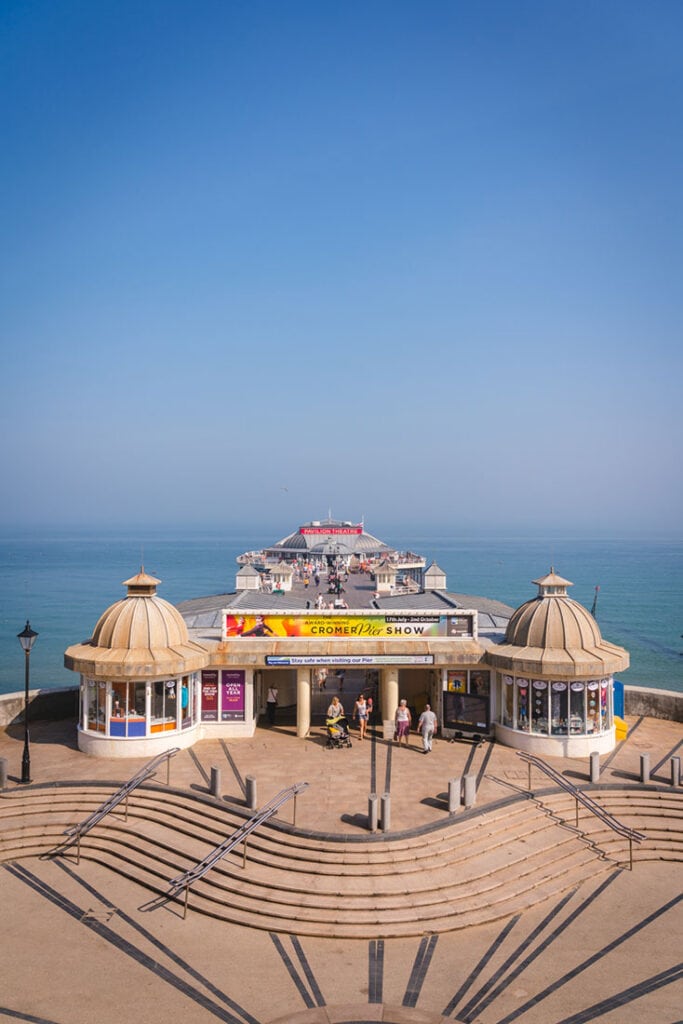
x,y
209,696
351,659
310,626
232,695
337,531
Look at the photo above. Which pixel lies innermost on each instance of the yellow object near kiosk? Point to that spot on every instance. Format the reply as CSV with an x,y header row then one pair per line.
x,y
620,729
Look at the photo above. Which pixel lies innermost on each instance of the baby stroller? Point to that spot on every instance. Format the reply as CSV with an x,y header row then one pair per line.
x,y
338,732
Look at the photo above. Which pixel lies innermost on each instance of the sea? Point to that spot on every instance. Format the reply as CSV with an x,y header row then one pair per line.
x,y
63,580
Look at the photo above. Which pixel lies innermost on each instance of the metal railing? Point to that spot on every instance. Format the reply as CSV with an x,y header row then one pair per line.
x,y
582,798
76,832
193,875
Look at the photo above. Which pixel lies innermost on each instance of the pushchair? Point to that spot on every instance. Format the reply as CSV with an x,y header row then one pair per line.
x,y
338,732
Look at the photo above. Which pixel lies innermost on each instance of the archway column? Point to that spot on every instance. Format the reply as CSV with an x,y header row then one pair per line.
x,y
303,702
389,692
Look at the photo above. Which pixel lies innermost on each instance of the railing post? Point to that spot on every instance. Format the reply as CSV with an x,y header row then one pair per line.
x,y
244,853
187,896
3,772
470,791
576,799
125,813
630,853
529,780
168,769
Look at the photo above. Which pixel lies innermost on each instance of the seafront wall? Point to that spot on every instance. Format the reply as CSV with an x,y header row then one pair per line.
x,y
53,705
639,700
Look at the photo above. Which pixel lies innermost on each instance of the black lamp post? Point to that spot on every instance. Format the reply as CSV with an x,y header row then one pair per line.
x,y
26,638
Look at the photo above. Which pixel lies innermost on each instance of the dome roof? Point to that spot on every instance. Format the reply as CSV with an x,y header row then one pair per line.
x,y
554,635
552,622
141,636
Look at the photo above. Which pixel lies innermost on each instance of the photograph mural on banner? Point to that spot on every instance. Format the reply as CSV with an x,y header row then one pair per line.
x,y
309,626
210,696
232,695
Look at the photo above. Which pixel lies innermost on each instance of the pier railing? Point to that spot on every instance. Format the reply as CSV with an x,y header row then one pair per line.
x,y
586,801
192,875
76,833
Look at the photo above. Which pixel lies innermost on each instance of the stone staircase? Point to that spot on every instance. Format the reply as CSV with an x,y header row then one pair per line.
x,y
478,867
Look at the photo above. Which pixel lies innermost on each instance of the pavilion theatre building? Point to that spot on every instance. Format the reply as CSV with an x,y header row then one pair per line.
x,y
330,609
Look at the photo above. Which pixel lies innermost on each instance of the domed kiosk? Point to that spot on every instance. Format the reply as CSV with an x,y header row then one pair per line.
x,y
139,676
555,676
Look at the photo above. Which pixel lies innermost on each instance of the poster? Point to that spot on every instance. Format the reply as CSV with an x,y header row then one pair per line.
x,y
232,695
210,696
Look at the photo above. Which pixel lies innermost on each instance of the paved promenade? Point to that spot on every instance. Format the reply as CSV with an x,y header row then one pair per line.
x,y
79,948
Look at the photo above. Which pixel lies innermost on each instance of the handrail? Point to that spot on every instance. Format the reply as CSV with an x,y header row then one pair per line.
x,y
122,793
193,875
582,798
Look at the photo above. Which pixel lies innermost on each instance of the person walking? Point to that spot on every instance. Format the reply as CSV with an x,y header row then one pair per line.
x,y
360,712
271,704
402,720
427,725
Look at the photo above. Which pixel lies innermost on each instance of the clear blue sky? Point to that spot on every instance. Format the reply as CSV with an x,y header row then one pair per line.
x,y
419,262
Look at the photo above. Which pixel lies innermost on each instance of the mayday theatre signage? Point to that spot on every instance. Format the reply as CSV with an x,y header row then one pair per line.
x,y
331,626
350,659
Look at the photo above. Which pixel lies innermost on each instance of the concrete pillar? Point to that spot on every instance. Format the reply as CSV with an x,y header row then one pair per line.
x,y
675,772
215,787
595,766
303,702
389,696
251,793
454,790
372,812
644,767
3,773
386,812
470,790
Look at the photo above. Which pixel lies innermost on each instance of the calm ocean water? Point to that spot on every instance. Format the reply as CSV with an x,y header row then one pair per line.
x,y
63,582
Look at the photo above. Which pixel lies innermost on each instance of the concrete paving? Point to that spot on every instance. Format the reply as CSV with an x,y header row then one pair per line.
x,y
78,947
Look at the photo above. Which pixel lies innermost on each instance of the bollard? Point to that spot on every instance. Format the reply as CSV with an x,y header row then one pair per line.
x,y
386,812
454,791
3,772
644,767
595,766
675,771
215,787
372,812
252,803
470,791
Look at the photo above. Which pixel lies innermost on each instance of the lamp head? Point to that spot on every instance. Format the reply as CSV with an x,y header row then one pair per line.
x,y
27,637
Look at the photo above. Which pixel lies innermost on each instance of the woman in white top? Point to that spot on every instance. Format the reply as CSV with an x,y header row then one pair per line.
x,y
403,720
361,713
335,709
